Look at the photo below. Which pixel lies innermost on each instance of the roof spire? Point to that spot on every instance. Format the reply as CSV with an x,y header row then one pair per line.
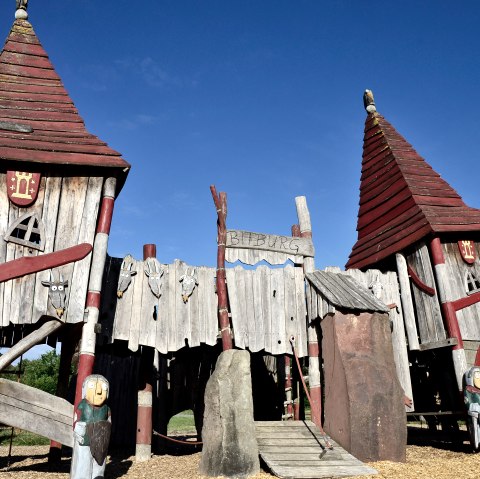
x,y
21,12
369,102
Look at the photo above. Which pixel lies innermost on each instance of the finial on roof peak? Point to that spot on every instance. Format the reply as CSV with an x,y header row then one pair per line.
x,y
21,12
369,102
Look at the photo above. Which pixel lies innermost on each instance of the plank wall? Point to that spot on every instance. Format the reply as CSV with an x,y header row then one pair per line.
x,y
68,208
267,307
427,308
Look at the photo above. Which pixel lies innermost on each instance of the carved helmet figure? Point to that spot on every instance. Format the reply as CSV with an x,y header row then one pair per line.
x,y
189,281
126,273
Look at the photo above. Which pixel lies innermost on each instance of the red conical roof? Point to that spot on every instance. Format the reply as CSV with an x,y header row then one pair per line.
x,y
402,199
32,95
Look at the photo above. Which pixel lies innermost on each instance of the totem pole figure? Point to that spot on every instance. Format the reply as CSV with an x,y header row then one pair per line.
x,y
471,395
92,426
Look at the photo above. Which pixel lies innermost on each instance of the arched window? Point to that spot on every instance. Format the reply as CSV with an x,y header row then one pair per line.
x,y
28,231
472,282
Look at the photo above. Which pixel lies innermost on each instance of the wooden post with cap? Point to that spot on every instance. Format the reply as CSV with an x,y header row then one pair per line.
x,y
312,335
143,448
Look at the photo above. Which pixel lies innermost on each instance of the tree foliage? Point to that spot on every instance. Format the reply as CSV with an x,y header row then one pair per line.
x,y
41,373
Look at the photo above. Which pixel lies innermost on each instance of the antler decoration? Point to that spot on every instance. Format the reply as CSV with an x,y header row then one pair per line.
x,y
126,273
189,281
154,271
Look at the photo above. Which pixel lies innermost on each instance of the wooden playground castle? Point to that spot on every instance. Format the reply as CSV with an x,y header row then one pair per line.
x,y
155,330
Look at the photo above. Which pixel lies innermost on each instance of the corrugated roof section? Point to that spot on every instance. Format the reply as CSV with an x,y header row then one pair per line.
x,y
32,94
402,199
345,292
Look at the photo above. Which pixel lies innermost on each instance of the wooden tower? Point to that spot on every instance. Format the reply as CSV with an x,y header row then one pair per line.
x,y
58,183
412,221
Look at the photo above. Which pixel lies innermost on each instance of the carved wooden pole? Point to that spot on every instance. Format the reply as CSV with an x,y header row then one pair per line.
x,y
312,336
294,380
87,345
448,310
223,320
143,450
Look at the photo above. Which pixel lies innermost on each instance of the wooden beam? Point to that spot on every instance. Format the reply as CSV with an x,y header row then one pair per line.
x,y
439,344
36,411
29,341
33,264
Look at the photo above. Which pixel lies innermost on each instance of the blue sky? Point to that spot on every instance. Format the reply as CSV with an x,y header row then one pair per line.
x,y
263,99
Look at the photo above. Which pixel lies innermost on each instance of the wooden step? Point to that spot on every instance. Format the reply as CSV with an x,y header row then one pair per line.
x,y
297,450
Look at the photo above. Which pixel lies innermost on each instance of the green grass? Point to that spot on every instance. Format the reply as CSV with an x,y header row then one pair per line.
x,y
182,422
21,438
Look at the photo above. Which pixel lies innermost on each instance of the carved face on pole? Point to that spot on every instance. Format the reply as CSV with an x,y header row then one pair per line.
x,y
476,378
95,389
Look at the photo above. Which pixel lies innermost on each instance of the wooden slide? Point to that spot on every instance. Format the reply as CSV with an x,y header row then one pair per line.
x,y
36,411
296,449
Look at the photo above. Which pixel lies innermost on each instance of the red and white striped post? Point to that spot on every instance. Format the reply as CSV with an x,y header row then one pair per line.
x,y
312,336
448,310
143,448
87,344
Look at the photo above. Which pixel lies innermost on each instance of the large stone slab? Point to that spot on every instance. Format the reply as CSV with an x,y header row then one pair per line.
x,y
229,443
364,402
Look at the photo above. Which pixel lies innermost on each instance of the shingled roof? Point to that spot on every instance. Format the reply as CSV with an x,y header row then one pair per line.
x,y
402,199
32,97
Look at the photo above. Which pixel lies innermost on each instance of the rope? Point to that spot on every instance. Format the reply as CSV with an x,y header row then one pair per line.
x,y
178,441
322,432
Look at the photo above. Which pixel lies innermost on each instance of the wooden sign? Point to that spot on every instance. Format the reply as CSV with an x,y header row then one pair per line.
x,y
467,250
22,187
260,241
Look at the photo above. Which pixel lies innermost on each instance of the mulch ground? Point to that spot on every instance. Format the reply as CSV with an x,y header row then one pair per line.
x,y
428,456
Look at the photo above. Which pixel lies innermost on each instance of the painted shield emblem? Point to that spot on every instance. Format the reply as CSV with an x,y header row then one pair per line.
x,y
22,187
467,250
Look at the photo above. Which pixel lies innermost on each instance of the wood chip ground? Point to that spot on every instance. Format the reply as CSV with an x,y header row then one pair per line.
x,y
441,461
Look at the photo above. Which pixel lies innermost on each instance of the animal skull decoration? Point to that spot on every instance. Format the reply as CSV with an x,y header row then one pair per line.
x,y
154,271
188,280
56,293
126,273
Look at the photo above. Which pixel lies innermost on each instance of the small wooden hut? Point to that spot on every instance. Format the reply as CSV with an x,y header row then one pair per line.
x,y
58,183
412,221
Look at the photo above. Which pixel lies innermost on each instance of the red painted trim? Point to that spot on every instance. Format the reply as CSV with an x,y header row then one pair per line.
x,y
437,251
477,357
453,328
466,301
33,264
105,217
85,368
93,299
419,283
313,350
144,425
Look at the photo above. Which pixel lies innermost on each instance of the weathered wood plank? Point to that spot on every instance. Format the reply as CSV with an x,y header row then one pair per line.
x,y
250,313
258,311
124,310
259,241
212,306
290,307
148,325
36,411
136,312
4,207
265,294
301,313
278,311
53,187
72,203
86,234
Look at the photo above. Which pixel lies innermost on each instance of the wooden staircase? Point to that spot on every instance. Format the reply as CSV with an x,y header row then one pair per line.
x,y
297,450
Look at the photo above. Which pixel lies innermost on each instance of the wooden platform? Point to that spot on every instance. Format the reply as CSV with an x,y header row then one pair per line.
x,y
296,449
